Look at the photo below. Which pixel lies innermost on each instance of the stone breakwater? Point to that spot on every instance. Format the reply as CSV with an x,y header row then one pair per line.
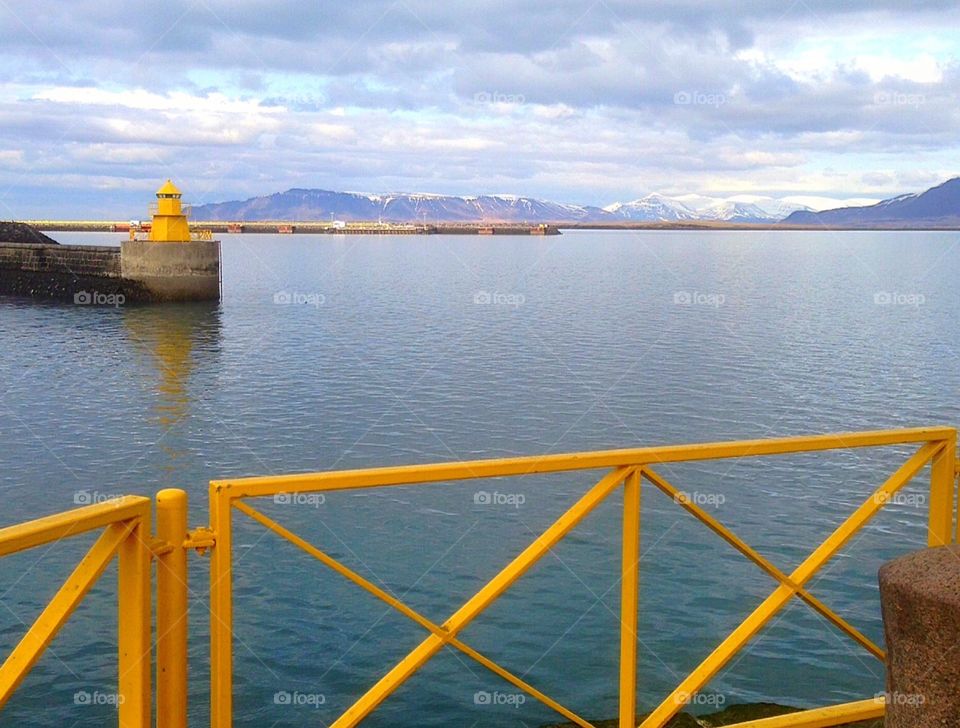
x,y
18,232
138,271
62,272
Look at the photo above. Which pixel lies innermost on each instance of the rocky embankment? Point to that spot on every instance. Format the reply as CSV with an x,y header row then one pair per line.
x,y
18,232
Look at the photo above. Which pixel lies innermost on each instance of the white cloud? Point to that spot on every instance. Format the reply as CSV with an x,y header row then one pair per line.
x,y
828,203
175,101
828,100
325,133
923,68
553,111
11,158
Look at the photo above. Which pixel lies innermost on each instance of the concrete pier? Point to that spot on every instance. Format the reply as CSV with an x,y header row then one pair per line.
x,y
173,271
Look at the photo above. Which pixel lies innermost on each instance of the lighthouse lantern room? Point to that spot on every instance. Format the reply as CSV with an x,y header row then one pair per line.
x,y
169,222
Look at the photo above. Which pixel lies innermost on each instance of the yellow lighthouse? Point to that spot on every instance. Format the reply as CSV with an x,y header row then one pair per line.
x,y
169,223
171,263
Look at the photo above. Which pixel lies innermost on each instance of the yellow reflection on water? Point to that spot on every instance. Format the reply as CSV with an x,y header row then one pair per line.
x,y
173,340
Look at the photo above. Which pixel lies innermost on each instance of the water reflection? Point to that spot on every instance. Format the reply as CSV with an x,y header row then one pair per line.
x,y
176,341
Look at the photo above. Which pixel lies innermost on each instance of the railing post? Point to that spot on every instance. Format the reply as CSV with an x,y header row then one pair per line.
x,y
942,494
172,609
221,611
630,572
133,623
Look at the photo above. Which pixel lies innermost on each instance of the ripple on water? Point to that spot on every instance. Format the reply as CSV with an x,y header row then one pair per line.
x,y
399,366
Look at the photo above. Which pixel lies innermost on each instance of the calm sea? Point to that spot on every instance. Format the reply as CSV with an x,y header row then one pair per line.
x,y
336,352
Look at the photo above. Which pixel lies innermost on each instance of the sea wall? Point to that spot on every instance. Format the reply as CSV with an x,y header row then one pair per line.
x,y
59,271
173,271
139,271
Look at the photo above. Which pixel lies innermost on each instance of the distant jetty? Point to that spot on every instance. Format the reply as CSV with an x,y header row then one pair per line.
x,y
310,228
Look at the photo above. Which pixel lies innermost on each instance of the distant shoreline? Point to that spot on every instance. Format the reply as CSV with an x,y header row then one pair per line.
x,y
721,226
474,228
311,227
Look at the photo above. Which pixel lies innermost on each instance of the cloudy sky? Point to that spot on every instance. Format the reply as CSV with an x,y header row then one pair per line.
x,y
588,101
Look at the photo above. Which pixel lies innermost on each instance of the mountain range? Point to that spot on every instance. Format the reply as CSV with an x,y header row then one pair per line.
x,y
937,206
310,205
316,205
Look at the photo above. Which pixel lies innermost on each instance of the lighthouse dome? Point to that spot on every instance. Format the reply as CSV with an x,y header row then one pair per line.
x,y
168,189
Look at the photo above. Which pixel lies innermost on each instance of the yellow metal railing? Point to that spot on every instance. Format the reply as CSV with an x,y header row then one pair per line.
x,y
936,446
126,532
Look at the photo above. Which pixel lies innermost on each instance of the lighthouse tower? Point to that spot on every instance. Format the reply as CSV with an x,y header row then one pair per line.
x,y
169,223
172,264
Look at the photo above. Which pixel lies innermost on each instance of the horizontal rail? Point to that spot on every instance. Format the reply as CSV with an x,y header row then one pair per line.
x,y
71,523
260,486
820,717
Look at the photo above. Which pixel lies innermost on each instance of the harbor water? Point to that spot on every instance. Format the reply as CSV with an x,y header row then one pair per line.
x,y
332,352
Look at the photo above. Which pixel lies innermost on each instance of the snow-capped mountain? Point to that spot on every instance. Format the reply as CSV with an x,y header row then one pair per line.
x,y
937,206
307,205
730,211
446,208
316,205
739,208
652,208
773,207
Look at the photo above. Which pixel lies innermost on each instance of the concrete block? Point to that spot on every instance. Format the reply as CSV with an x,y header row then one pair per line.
x,y
173,271
920,599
